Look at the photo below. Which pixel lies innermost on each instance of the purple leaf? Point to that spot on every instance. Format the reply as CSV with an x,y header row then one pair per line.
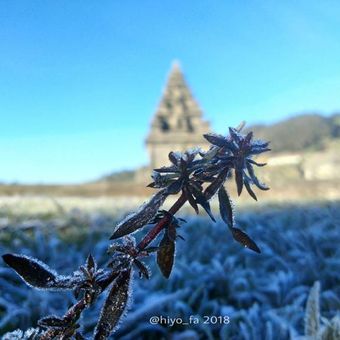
x,y
114,306
166,255
250,190
151,185
200,199
106,279
191,199
150,250
213,187
257,151
32,271
215,139
241,237
171,230
53,321
248,138
140,218
143,270
90,263
210,154
255,163
167,169
173,159
175,187
37,274
239,180
254,178
183,165
226,209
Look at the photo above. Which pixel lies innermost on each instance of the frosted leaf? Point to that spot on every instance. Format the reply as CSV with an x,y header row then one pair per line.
x,y
312,317
140,218
129,241
114,306
191,154
241,237
258,143
162,180
144,271
29,334
166,255
91,263
331,330
213,187
249,189
105,279
210,154
201,199
17,334
239,180
52,321
254,178
32,271
215,139
165,169
175,187
235,135
194,151
255,163
174,157
226,207
37,274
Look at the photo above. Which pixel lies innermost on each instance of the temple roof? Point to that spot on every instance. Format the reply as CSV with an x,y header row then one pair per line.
x,y
178,113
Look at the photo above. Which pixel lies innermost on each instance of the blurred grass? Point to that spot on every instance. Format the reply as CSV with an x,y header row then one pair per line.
x,y
263,294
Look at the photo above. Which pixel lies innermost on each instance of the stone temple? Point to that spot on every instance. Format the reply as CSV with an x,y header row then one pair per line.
x,y
178,123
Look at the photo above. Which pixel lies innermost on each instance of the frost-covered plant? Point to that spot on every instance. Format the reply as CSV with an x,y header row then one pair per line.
x,y
312,317
330,329
197,176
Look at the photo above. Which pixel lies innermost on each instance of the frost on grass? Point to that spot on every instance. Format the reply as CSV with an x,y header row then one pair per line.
x,y
29,334
312,317
307,250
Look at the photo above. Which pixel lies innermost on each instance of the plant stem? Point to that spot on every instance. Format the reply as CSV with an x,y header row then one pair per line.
x,y
150,236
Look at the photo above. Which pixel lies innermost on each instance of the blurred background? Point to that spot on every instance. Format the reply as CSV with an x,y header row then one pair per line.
x,y
93,96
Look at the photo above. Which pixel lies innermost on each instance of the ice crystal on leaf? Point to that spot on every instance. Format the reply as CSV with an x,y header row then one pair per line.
x,y
114,306
140,218
37,274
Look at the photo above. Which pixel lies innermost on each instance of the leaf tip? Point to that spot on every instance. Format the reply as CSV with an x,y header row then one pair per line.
x,y
8,258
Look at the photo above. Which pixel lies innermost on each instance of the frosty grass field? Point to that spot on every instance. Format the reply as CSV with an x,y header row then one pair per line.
x,y
264,295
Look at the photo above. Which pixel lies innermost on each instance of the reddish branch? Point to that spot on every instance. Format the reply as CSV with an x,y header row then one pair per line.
x,y
151,235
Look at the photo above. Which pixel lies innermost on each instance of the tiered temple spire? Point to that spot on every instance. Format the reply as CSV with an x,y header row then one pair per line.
x,y
177,123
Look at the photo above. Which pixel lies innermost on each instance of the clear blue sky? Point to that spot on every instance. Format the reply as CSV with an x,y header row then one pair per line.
x,y
80,80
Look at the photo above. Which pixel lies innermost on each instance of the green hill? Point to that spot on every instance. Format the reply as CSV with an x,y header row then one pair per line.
x,y
307,131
